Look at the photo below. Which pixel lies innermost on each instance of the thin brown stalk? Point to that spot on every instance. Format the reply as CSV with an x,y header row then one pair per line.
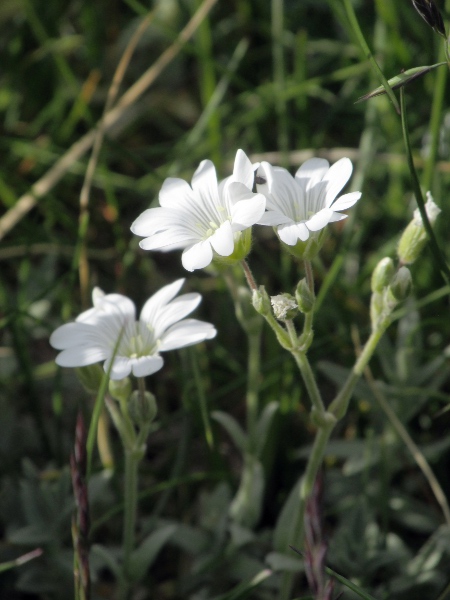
x,y
26,202
83,265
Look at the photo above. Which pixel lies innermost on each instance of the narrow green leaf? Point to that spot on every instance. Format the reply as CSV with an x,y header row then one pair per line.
x,y
242,590
400,80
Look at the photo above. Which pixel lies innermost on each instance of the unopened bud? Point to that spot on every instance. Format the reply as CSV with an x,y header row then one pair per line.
x,y
382,274
304,296
284,306
401,284
261,301
414,237
120,389
142,408
90,377
245,312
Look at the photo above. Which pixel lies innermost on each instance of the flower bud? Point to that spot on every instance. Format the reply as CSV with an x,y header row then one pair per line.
x,y
304,296
261,301
284,306
401,284
245,313
90,377
120,389
382,274
414,237
142,408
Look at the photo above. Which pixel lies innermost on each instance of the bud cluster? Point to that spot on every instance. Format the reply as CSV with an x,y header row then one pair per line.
x,y
388,289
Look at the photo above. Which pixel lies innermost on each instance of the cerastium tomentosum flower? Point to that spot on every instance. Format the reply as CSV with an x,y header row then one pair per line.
x,y
299,207
109,332
206,220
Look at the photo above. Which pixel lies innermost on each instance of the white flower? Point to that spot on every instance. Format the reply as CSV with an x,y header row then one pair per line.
x,y
305,203
203,218
111,325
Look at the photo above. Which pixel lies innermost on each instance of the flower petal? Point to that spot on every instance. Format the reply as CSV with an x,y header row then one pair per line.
x,y
346,201
319,220
121,367
175,311
153,220
248,210
80,356
175,191
222,239
159,300
146,365
197,256
311,172
337,217
336,177
243,170
185,333
274,217
284,193
204,183
174,238
290,234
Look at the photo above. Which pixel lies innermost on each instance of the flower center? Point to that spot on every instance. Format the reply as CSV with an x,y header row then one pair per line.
x,y
142,343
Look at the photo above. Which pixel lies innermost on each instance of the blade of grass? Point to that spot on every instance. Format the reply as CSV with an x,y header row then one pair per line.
x,y
26,202
440,261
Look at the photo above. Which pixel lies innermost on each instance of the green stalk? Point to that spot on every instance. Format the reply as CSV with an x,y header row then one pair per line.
x,y
129,524
435,123
279,74
325,425
418,194
253,376
309,381
208,85
367,52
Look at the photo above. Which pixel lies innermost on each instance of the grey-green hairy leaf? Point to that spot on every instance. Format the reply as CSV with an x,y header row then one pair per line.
x,y
232,427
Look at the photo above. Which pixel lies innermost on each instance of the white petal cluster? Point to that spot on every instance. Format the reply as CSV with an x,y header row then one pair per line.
x,y
109,332
305,203
204,218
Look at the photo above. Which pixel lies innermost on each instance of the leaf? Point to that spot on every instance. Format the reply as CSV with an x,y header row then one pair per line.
x,y
101,557
32,535
263,426
285,523
282,562
351,586
400,80
242,590
232,427
247,504
144,556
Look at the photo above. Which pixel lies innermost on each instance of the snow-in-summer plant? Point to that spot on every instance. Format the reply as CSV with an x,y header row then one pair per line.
x,y
211,221
110,333
207,219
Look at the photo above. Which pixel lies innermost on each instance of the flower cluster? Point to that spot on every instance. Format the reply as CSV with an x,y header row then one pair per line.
x,y
209,220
